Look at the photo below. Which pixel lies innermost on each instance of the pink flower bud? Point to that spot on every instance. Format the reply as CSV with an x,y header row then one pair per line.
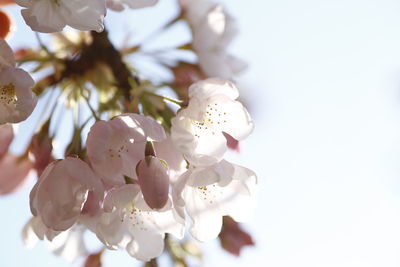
x,y
154,181
233,238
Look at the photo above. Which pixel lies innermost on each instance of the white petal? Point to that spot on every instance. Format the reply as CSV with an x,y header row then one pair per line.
x,y
43,16
85,15
120,197
213,86
69,244
199,144
147,243
206,217
28,235
118,5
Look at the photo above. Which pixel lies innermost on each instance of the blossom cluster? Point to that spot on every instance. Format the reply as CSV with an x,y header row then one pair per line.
x,y
138,182
143,170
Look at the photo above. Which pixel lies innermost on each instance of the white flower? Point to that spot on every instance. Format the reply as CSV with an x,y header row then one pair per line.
x,y
60,193
129,223
16,98
115,147
118,5
197,131
208,193
54,15
213,29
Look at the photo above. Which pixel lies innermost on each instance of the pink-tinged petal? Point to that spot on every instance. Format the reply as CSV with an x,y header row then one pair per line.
x,y
82,173
120,196
85,15
92,205
176,162
118,5
49,16
35,230
213,86
6,55
6,137
115,147
111,151
143,128
61,192
146,245
13,172
16,98
154,181
42,16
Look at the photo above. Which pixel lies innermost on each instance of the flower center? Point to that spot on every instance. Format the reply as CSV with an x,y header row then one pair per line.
x,y
8,94
117,152
213,118
209,193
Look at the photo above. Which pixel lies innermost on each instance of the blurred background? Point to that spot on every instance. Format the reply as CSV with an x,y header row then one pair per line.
x,y
323,86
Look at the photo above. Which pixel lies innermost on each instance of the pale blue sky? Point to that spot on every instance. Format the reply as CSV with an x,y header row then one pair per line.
x,y
324,88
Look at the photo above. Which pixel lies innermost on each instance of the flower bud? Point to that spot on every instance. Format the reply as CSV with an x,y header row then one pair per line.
x,y
233,238
154,181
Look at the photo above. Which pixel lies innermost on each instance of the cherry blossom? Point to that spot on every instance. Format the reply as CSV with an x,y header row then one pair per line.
x,y
54,15
59,195
115,147
209,193
213,29
198,130
129,223
16,98
118,5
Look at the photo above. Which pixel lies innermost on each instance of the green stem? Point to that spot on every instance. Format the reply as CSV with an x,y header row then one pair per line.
x,y
177,102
